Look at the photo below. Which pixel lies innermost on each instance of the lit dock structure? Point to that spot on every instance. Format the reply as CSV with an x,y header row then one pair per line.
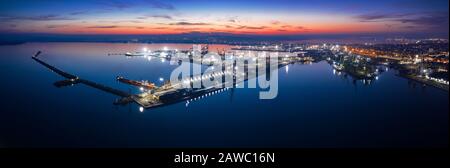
x,y
169,93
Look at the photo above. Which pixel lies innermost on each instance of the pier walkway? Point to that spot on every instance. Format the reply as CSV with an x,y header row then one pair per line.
x,y
76,79
173,93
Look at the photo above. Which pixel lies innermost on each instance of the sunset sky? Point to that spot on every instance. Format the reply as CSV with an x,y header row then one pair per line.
x,y
278,17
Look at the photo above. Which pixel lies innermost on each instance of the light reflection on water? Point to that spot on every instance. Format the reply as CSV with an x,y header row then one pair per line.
x,y
315,106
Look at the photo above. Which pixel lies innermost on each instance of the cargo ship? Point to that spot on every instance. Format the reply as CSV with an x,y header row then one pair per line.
x,y
144,84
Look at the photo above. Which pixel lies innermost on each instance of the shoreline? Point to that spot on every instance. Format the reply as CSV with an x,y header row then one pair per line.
x,y
426,82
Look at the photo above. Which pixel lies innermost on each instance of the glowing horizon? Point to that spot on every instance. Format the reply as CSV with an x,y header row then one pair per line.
x,y
251,17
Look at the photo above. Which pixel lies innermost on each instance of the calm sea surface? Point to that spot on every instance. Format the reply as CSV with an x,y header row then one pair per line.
x,y
314,107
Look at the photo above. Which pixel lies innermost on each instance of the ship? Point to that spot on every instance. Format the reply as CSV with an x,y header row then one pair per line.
x,y
338,66
136,54
143,84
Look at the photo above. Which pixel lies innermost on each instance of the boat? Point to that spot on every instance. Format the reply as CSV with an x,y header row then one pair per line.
x,y
143,84
136,54
338,67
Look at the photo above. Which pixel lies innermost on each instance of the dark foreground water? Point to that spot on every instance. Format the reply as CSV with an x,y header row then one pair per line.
x,y
314,107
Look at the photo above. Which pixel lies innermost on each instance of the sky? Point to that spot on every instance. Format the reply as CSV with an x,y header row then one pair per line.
x,y
259,17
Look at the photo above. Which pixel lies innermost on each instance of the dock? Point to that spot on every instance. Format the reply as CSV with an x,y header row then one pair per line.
x,y
425,81
76,79
170,93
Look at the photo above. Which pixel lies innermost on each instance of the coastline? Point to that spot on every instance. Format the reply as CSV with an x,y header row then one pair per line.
x,y
426,82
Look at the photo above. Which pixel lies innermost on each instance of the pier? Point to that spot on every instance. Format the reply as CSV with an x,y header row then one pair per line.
x,y
76,79
173,93
425,81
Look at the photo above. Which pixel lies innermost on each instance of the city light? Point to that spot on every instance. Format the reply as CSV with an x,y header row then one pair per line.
x,y
331,95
